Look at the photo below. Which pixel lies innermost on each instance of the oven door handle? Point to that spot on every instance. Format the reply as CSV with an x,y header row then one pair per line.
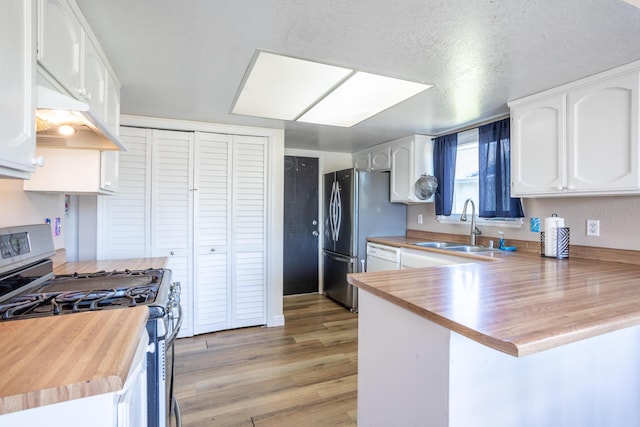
x,y
176,328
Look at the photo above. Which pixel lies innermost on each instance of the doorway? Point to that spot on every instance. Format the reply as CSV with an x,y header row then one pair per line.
x,y
300,272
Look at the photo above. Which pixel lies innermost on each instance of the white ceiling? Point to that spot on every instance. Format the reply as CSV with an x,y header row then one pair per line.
x,y
186,59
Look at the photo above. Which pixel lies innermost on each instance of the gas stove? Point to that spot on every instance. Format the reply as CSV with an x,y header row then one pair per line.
x,y
29,289
74,293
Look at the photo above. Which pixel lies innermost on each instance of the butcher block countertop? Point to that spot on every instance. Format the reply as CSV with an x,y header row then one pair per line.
x,y
110,265
54,359
518,303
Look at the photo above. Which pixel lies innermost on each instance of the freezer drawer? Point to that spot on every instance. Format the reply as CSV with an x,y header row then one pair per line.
x,y
336,287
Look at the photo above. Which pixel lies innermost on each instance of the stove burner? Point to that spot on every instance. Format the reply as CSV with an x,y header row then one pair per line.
x,y
85,292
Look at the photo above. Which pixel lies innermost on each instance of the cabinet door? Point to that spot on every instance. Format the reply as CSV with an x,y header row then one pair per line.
x,y
94,75
603,135
112,103
109,171
171,210
59,35
362,160
381,158
17,130
401,171
249,228
213,229
538,147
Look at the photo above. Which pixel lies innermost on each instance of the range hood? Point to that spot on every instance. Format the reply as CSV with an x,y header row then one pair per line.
x,y
55,109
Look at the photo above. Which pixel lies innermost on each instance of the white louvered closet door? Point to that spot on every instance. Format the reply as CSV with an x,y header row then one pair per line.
x,y
249,185
126,214
171,210
213,228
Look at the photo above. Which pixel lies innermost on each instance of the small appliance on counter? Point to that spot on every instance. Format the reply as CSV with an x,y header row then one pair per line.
x,y
356,206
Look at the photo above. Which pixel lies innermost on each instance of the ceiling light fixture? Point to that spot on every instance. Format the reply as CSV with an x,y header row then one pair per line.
x,y
286,88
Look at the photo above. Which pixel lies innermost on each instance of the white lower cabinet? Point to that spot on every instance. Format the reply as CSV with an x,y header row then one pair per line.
x,y
199,199
124,408
415,258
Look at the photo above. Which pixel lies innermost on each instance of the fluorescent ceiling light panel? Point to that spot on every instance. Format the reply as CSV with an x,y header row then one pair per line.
x,y
361,97
281,87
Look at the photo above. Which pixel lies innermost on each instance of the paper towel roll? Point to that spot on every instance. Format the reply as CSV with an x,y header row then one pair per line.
x,y
551,225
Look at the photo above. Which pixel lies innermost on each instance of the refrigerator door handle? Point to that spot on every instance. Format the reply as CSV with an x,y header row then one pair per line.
x,y
339,211
333,210
346,259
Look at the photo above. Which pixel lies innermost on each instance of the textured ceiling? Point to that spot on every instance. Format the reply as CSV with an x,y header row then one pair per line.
x,y
186,59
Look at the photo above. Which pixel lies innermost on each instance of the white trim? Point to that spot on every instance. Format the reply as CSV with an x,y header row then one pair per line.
x,y
485,222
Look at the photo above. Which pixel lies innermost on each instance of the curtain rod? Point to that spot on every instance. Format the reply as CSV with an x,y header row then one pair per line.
x,y
473,126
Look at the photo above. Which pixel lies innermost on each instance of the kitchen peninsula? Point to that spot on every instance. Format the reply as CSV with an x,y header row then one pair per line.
x,y
521,340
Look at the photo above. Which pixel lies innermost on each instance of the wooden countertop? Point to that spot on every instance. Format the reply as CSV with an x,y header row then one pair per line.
x,y
54,359
521,304
110,265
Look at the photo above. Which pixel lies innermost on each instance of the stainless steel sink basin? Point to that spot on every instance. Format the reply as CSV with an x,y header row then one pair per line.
x,y
470,249
437,245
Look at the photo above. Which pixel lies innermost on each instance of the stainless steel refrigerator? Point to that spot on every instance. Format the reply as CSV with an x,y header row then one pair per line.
x,y
356,206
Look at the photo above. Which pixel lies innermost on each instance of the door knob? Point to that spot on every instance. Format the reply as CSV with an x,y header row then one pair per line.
x,y
315,233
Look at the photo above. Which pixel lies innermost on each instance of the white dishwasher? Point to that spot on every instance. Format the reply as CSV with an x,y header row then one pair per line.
x,y
382,257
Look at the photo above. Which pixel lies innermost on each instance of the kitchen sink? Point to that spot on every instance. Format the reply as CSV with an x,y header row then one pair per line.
x,y
458,247
437,245
470,249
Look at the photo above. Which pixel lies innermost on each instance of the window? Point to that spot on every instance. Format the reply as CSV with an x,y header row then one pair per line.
x,y
466,176
466,184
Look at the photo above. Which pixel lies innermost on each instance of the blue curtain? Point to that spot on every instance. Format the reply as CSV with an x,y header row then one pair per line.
x,y
444,168
495,172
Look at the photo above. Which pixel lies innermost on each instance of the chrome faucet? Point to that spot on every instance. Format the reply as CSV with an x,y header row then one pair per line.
x,y
463,217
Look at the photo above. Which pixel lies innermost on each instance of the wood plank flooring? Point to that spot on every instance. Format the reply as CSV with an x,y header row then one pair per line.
x,y
302,374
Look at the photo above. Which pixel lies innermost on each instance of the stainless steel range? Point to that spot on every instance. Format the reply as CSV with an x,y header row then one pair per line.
x,y
29,289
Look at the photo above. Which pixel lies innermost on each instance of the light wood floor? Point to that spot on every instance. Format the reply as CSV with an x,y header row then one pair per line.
x,y
302,374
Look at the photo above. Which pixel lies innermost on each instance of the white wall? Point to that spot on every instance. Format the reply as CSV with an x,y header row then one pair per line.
x,y
23,208
619,223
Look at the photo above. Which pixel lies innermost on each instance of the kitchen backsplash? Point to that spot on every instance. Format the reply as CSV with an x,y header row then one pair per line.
x,y
619,224
22,208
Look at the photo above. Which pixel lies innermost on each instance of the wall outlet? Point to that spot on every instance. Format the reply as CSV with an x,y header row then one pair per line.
x,y
419,218
593,227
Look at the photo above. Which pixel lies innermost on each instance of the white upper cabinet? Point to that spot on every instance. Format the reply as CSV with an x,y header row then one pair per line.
x,y
74,171
112,103
377,158
580,139
94,77
411,157
59,38
381,157
73,61
17,121
602,135
538,158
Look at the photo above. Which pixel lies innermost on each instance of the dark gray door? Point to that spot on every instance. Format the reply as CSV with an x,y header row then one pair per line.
x,y
300,274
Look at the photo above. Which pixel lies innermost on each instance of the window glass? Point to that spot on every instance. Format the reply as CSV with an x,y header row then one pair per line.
x,y
466,178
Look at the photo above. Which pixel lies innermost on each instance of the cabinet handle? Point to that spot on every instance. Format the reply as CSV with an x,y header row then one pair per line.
x,y
213,249
38,161
171,253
